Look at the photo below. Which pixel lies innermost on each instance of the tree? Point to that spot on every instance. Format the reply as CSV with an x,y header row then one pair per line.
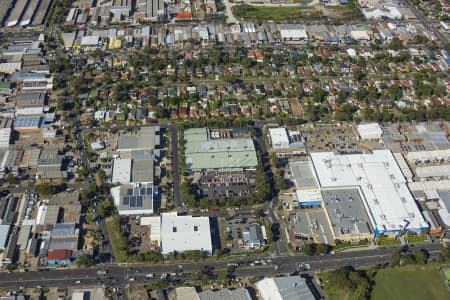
x,y
85,261
395,44
162,284
444,256
44,188
10,178
318,94
280,183
355,282
259,213
84,198
395,258
421,256
358,75
322,248
203,203
309,249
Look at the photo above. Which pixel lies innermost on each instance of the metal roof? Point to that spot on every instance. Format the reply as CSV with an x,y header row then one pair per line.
x,y
185,233
133,198
63,230
142,171
24,236
70,243
27,122
5,231
346,212
225,294
218,153
146,139
286,288
303,175
382,184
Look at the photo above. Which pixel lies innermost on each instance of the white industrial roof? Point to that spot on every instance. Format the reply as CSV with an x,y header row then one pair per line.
x,y
5,231
29,111
279,137
293,34
310,195
431,184
444,203
390,12
370,131
359,35
185,233
90,40
351,52
390,204
10,67
155,227
403,165
433,171
428,155
121,171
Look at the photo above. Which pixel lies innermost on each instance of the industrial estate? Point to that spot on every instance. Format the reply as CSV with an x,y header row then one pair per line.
x,y
218,149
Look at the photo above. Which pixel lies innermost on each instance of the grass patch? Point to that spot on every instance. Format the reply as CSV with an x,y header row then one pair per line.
x,y
118,241
414,239
276,14
388,242
340,246
409,282
446,273
293,14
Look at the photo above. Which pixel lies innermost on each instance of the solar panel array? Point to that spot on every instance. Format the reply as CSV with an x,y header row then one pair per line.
x,y
135,197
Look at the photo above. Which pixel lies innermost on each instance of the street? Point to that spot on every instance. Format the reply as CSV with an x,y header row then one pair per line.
x,y
120,275
176,178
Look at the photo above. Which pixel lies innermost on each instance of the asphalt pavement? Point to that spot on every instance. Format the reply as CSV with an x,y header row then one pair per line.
x,y
120,275
175,154
426,22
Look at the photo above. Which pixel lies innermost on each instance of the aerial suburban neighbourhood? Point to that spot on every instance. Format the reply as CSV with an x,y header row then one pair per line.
x,y
225,149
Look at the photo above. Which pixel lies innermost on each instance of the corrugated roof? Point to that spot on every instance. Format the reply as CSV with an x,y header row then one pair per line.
x,y
60,254
219,153
5,230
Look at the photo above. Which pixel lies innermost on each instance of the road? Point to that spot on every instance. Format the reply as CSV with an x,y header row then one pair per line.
x,y
119,275
426,22
175,158
229,12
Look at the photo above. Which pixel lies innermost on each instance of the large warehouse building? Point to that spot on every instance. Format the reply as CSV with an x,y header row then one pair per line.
x,y
206,153
185,233
376,175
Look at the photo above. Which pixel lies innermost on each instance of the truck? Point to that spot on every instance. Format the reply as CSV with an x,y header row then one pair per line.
x,y
102,273
149,275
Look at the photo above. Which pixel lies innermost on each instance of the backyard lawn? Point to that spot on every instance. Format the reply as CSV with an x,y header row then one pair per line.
x,y
410,282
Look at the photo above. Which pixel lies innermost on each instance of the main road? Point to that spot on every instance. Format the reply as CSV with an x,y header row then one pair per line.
x,y
120,275
426,22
